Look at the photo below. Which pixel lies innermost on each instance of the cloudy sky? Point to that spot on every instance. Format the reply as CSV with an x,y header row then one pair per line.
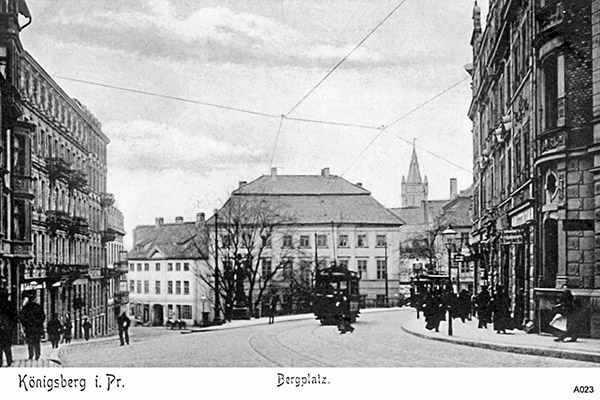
x,y
175,158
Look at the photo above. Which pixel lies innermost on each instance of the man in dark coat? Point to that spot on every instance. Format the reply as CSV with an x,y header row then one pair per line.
x,y
54,329
32,319
123,321
500,305
8,325
483,307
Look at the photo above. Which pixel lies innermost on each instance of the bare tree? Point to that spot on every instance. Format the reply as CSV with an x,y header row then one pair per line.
x,y
423,245
253,244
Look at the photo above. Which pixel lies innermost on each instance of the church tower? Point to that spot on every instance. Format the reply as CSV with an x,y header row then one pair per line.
x,y
414,189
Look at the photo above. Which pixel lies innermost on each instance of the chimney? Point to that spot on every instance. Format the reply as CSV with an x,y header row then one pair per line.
x,y
273,173
359,184
179,220
242,184
200,217
325,172
453,188
159,221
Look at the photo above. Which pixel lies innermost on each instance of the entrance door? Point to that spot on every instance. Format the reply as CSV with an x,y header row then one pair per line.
x,y
157,315
550,253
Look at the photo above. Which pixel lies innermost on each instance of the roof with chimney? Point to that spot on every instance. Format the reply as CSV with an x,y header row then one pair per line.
x,y
180,240
315,199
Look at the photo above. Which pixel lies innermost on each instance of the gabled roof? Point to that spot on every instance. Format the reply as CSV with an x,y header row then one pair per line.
x,y
172,241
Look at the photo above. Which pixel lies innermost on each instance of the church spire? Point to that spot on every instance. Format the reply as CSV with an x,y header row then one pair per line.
x,y
414,174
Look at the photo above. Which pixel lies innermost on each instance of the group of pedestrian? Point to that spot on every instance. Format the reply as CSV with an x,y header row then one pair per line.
x,y
494,308
488,308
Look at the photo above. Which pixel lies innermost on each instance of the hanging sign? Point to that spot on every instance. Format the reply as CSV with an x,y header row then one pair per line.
x,y
512,236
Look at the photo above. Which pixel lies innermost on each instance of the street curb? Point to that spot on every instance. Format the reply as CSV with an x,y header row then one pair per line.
x,y
568,355
299,317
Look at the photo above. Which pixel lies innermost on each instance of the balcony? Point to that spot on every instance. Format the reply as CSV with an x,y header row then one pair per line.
x,y
107,199
550,16
72,271
12,107
58,220
79,226
109,235
58,168
78,180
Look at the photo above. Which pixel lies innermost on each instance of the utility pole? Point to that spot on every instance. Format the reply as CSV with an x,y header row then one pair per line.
x,y
217,318
387,301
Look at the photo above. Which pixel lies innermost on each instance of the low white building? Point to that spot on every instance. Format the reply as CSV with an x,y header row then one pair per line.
x,y
164,273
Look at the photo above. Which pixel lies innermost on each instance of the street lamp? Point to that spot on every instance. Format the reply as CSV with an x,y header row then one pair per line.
x,y
217,318
449,235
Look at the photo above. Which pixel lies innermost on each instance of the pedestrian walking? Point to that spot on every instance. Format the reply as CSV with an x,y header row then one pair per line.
x,y
32,319
433,310
123,321
67,329
87,326
566,318
500,305
483,307
8,325
464,305
273,308
54,329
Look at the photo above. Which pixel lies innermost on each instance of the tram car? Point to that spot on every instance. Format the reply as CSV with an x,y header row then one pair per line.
x,y
426,283
336,291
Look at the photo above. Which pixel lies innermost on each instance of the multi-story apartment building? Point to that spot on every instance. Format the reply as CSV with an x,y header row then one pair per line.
x,y
534,114
322,219
166,269
54,166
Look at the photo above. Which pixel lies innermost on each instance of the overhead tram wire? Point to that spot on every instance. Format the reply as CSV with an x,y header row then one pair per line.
x,y
276,140
401,118
433,154
215,105
345,58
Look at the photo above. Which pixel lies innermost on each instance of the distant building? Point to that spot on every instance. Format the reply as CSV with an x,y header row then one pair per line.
x,y
164,276
330,220
421,251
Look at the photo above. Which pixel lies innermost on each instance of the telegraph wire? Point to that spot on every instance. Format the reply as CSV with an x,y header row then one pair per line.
x,y
215,105
164,96
346,57
433,154
316,121
401,118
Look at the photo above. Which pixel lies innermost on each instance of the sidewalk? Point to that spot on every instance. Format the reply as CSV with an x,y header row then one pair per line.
x,y
49,357
515,341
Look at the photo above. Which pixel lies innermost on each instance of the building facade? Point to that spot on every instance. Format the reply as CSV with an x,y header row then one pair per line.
x,y
165,272
534,113
54,166
327,220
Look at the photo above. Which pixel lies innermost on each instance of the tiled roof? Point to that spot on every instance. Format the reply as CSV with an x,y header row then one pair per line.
x,y
315,199
300,185
174,241
410,215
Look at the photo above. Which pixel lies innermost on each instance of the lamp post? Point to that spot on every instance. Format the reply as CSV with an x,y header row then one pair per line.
x,y
449,235
217,318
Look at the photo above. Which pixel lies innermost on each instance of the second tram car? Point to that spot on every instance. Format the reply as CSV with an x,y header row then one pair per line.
x,y
336,293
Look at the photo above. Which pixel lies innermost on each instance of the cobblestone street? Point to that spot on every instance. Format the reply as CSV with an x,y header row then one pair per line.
x,y
378,341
